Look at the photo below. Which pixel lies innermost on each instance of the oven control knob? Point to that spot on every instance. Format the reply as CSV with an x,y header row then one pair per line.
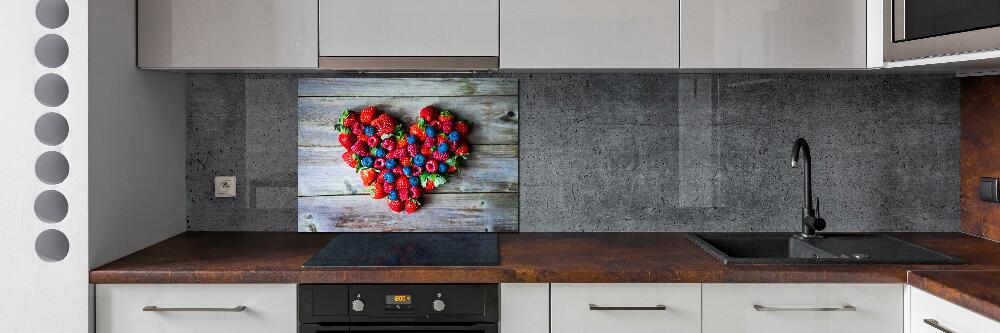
x,y
438,305
358,305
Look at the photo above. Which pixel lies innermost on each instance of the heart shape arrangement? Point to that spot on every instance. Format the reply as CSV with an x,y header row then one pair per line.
x,y
401,163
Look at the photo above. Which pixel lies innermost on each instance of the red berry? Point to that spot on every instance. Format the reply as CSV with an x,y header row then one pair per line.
x,y
368,176
446,116
346,139
412,206
462,127
429,186
416,192
402,183
373,141
349,158
462,149
452,169
360,148
404,161
384,124
429,113
380,163
389,145
350,120
439,156
417,131
368,114
396,205
404,194
432,166
426,149
377,191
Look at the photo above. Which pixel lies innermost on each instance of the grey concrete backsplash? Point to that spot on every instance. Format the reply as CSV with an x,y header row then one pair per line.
x,y
639,152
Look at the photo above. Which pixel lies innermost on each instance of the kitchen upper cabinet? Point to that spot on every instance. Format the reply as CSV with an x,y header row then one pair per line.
x,y
776,34
817,308
193,34
589,34
407,28
626,307
930,314
196,308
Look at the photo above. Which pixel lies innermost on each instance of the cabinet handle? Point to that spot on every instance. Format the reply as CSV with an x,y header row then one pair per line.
x,y
240,308
935,324
594,307
848,307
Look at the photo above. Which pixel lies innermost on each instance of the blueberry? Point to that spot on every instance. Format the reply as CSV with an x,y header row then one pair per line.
x,y
369,131
367,161
419,159
390,163
389,177
414,181
411,139
393,195
443,147
407,171
379,152
454,136
430,131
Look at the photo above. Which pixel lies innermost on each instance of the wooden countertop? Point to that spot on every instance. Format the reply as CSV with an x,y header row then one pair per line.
x,y
978,291
277,257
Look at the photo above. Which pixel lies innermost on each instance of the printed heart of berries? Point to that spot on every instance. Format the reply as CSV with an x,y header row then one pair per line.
x,y
401,163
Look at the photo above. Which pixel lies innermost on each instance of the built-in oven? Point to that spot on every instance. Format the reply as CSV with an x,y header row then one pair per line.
x,y
928,28
467,308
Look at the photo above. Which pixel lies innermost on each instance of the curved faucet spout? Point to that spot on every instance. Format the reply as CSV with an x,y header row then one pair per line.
x,y
810,222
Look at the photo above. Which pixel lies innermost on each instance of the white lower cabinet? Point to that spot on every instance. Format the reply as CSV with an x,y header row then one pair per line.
x,y
524,308
625,307
816,308
196,308
930,314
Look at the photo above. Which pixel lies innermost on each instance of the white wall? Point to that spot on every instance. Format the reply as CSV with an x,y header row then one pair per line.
x,y
38,295
137,187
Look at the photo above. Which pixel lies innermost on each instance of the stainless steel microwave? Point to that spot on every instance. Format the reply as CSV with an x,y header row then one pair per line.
x,y
916,29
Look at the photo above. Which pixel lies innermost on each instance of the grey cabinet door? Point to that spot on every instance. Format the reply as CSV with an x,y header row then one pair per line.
x,y
228,33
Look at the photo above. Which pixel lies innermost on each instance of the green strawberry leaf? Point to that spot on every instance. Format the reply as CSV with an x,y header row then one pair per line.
x,y
452,161
421,123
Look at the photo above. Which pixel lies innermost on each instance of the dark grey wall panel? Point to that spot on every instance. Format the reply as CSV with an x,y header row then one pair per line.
x,y
640,152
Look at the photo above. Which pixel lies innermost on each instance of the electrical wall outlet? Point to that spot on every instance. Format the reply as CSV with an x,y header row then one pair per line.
x,y
225,187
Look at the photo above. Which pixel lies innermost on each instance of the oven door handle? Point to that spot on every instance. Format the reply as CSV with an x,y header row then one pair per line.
x,y
485,328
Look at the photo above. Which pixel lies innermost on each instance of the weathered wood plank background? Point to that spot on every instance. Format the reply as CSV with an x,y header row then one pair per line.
x,y
482,197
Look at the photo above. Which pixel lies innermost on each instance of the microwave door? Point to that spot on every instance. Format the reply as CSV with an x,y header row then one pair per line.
x,y
916,29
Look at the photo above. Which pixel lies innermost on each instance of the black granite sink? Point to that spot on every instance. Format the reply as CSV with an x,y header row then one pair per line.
x,y
837,248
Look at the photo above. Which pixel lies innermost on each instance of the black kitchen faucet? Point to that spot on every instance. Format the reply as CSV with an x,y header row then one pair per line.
x,y
810,221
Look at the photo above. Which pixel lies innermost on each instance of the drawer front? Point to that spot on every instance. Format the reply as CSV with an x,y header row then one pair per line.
x,y
571,310
269,308
946,315
774,308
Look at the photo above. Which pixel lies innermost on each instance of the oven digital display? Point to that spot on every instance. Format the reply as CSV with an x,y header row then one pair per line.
x,y
398,299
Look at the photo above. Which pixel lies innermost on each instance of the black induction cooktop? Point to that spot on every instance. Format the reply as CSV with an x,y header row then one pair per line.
x,y
408,249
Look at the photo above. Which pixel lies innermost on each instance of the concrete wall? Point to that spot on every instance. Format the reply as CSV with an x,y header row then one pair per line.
x,y
640,152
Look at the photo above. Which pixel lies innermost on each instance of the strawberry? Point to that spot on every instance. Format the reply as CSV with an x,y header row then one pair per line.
x,y
462,127
348,118
418,131
462,149
368,114
427,149
452,169
402,183
350,158
446,116
360,148
377,191
384,124
429,186
412,206
401,141
368,176
429,113
396,205
346,139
